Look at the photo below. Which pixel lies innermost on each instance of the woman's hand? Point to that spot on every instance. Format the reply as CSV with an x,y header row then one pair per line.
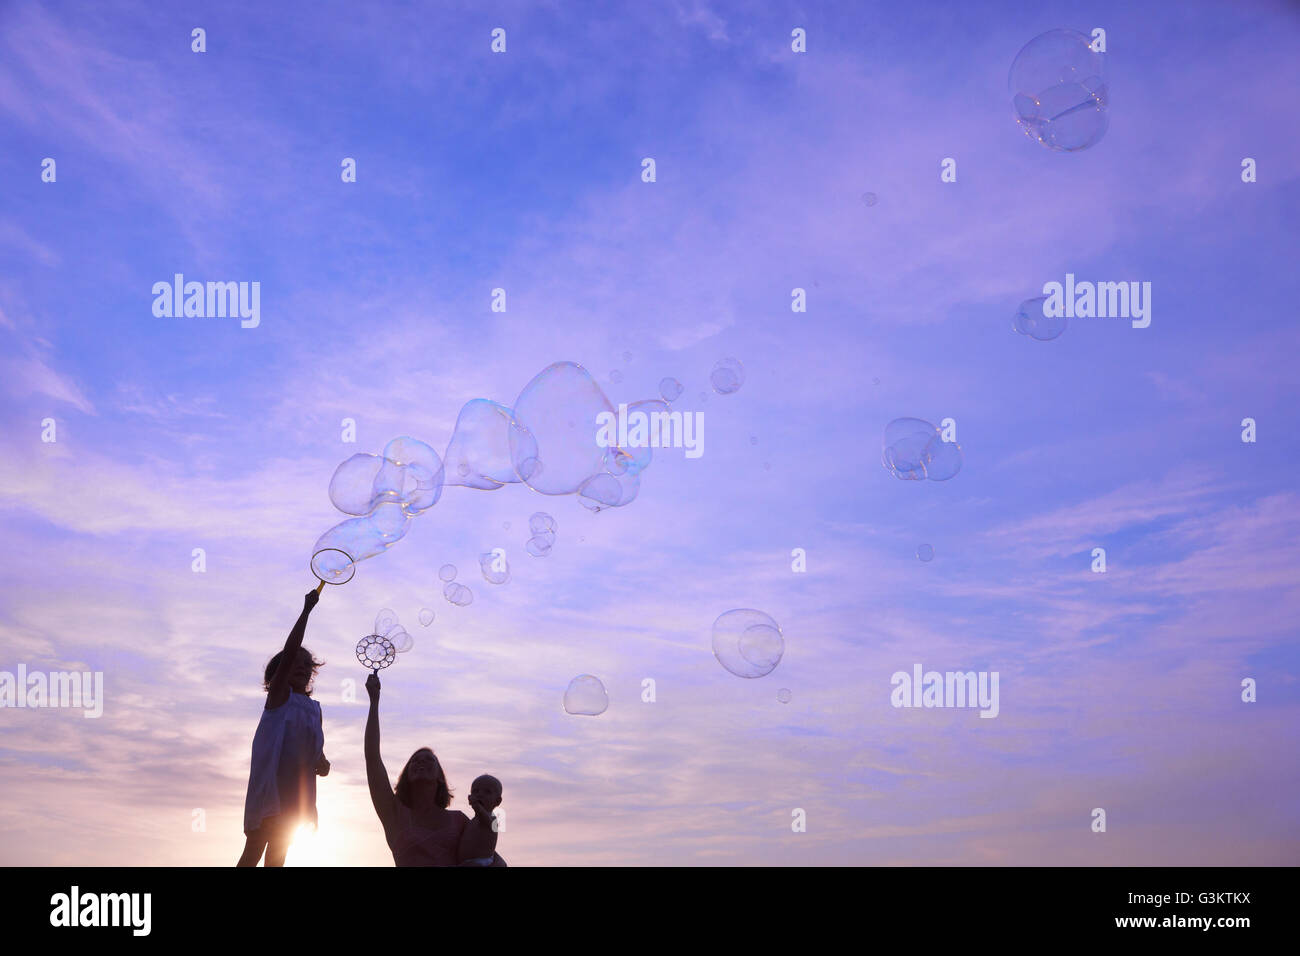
x,y
323,767
310,601
372,688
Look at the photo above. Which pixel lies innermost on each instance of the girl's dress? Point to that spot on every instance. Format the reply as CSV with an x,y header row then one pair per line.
x,y
287,747
416,845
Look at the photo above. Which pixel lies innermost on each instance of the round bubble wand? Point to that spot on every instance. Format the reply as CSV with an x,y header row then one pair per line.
x,y
332,566
376,652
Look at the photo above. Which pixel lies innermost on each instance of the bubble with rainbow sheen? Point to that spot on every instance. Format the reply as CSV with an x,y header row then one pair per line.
x,y
748,643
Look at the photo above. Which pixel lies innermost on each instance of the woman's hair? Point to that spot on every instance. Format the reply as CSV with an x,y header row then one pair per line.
x,y
274,662
443,794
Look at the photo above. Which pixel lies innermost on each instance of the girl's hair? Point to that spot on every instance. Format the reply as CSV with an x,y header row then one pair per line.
x,y
274,662
443,794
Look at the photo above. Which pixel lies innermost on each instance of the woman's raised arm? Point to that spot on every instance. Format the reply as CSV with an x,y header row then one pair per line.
x,y
381,791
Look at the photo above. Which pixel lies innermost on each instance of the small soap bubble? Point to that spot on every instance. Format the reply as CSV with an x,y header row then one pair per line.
x,y
1031,319
767,466
447,572
540,522
506,525
870,199
912,450
426,616
925,552
616,376
458,594
748,643
539,546
585,697
784,695
627,356
495,567
727,376
753,439
385,621
670,389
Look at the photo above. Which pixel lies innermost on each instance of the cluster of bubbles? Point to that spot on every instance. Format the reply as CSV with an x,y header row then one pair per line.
x,y
547,442
1032,321
543,528
1058,91
585,697
914,450
390,629
748,643
455,593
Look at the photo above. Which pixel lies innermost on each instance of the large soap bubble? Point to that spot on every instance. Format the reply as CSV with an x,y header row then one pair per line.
x,y
553,444
478,455
585,697
1058,91
670,389
747,642
352,488
421,473
361,538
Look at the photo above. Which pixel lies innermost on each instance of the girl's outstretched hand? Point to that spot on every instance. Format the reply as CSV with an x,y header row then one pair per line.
x,y
323,767
310,601
372,687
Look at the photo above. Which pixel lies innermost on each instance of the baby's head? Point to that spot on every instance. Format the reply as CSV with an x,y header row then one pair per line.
x,y
301,675
487,788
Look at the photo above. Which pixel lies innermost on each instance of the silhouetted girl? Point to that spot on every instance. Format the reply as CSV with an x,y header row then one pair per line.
x,y
288,751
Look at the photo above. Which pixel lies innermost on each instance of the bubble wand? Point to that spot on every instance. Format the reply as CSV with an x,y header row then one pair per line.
x,y
332,566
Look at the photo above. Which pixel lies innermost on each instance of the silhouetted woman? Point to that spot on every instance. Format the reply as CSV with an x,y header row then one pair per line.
x,y
419,827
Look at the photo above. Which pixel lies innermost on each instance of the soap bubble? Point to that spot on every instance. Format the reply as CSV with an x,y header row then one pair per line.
x,y
747,642
784,695
925,552
539,546
870,199
362,538
616,376
627,356
753,439
352,488
670,389
585,697
540,522
385,621
609,491
506,525
400,639
426,616
495,567
478,455
561,393
447,572
727,376
458,594
1031,320
421,474
1058,91
912,450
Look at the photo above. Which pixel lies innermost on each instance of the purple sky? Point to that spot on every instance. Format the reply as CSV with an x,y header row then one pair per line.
x,y
522,171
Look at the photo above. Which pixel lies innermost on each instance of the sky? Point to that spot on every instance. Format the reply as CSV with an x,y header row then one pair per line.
x,y
522,171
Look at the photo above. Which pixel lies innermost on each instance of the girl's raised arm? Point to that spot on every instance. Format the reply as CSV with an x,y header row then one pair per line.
x,y
278,691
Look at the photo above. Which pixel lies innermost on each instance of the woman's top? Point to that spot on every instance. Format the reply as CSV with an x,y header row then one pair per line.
x,y
287,748
416,844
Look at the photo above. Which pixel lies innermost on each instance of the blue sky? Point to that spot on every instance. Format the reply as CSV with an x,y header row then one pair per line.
x,y
522,171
